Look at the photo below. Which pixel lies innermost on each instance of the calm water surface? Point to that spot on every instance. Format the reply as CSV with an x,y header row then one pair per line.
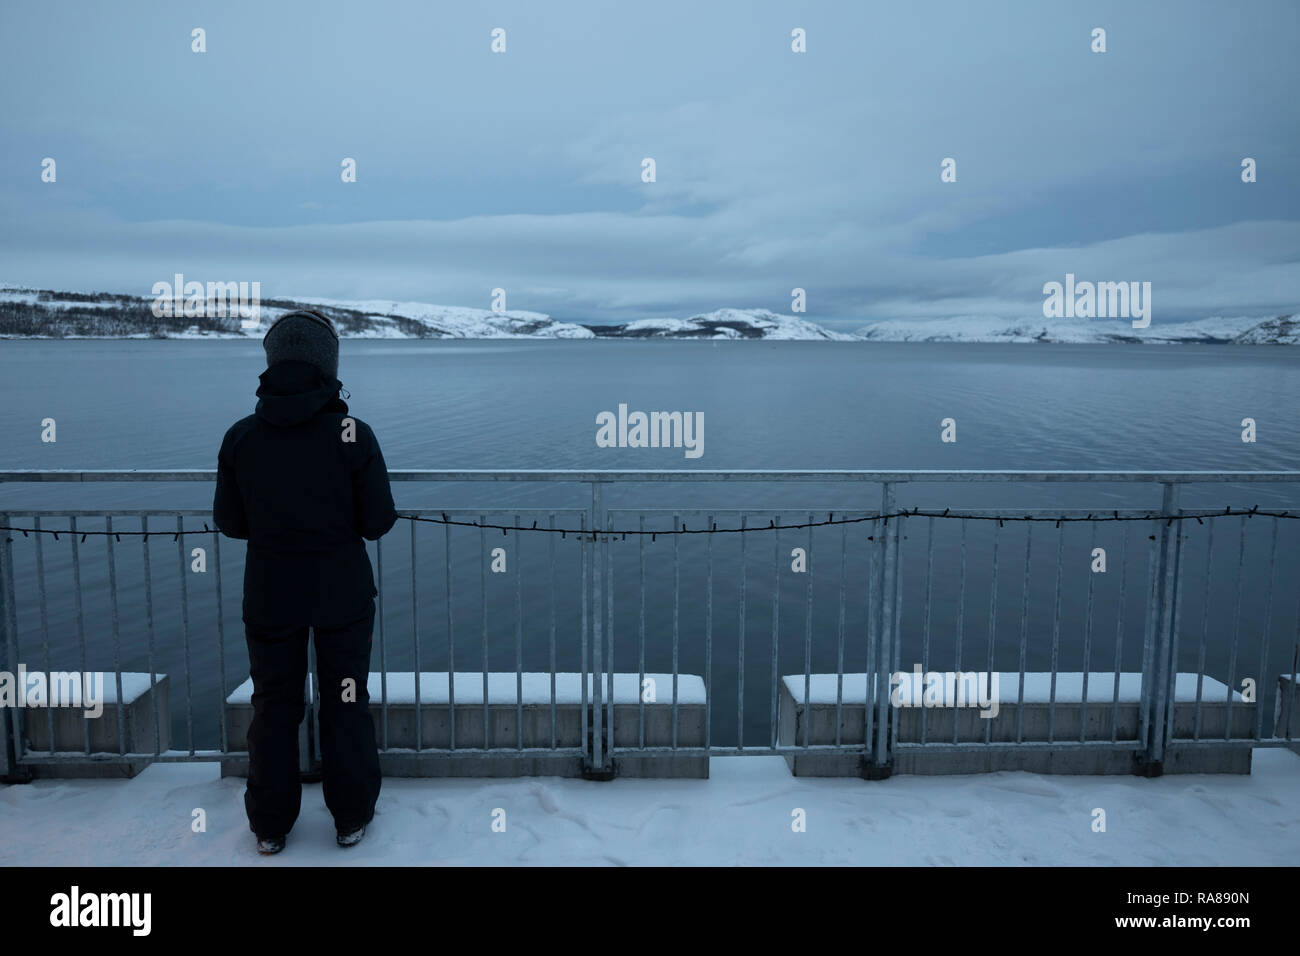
x,y
766,405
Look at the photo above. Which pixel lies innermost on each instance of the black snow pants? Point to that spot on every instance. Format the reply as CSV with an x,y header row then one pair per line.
x,y
277,662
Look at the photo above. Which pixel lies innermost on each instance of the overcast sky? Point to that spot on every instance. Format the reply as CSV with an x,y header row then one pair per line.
x,y
522,170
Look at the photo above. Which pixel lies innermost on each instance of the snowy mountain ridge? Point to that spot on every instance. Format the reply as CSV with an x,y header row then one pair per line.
x,y
1241,330
726,324
33,313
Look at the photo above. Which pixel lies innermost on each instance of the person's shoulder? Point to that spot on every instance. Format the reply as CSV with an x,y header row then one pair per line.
x,y
237,431
365,434
360,435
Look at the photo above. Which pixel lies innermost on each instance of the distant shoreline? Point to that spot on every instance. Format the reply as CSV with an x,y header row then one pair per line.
x,y
256,340
46,315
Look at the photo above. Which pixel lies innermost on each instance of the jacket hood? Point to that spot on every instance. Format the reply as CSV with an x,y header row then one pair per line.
x,y
292,392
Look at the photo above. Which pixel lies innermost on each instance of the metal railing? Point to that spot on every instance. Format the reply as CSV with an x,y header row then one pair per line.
x,y
577,623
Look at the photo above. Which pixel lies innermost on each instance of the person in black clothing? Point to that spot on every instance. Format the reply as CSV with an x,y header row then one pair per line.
x,y
304,483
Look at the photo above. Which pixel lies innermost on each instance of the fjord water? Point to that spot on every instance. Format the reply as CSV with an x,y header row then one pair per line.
x,y
766,405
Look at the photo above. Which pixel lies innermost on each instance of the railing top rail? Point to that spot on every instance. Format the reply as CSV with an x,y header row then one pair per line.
x,y
777,475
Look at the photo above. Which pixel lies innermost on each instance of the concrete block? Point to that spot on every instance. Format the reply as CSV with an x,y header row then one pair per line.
x,y
517,713
73,766
1032,717
137,712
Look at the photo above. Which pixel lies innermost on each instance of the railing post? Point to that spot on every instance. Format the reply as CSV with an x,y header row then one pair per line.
x,y
309,765
877,760
1159,671
597,764
11,731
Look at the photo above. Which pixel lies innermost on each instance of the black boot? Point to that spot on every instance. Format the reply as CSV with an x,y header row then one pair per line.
x,y
350,837
268,845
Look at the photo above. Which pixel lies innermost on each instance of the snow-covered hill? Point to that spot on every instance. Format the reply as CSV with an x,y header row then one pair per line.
x,y
445,321
43,314
30,313
1284,330
726,324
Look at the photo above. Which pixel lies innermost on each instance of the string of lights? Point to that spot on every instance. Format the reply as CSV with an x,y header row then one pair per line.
x,y
712,528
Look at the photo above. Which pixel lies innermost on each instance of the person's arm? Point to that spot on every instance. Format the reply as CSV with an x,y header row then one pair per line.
x,y
227,505
372,495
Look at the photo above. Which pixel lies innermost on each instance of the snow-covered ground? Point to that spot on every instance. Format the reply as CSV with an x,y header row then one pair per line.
x,y
742,815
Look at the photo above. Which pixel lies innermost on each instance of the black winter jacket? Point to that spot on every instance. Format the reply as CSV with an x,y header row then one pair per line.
x,y
304,498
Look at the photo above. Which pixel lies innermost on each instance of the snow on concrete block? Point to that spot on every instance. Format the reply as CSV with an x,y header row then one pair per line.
x,y
973,708
435,688
141,696
520,713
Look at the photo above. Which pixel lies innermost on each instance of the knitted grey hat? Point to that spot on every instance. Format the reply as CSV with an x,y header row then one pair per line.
x,y
305,336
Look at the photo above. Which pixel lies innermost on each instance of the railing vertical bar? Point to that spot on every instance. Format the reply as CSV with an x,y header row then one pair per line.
x,y
1205,631
597,626
185,632
1119,633
148,616
807,639
918,693
607,564
873,629
1166,633
551,582
451,636
1148,638
519,642
839,641
45,626
1056,633
894,662
1024,633
641,634
740,664
993,626
383,650
1087,635
1175,630
221,642
1268,627
961,623
776,624
676,632
81,620
11,718
584,587
483,615
313,716
1236,632
415,642
708,640
889,573
1295,664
